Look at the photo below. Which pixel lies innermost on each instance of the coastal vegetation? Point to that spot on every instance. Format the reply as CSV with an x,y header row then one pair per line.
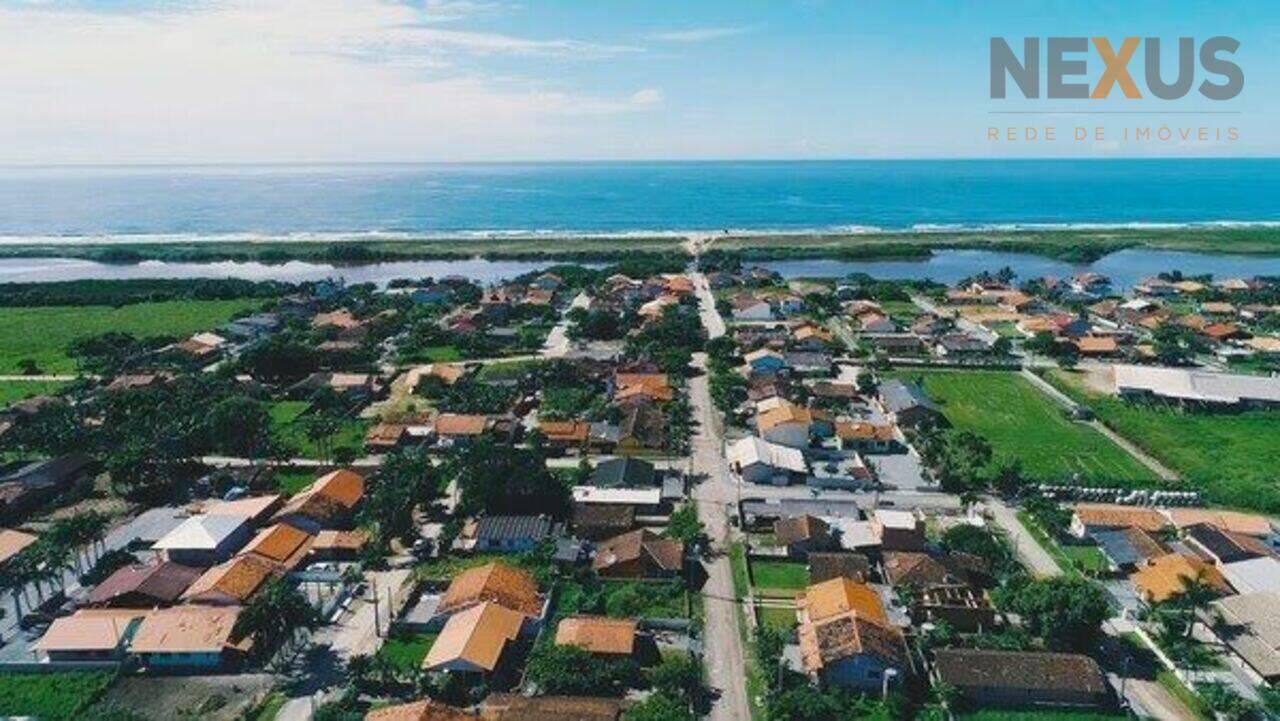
x,y
1229,457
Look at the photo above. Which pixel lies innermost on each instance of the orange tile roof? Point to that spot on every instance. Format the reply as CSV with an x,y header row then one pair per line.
x,y
340,540
654,385
1115,516
610,636
508,585
337,319
1167,576
862,430
784,413
281,544
795,529
840,595
340,490
565,431
1220,330
12,543
448,372
233,581
187,629
456,424
426,710
849,634
251,507
477,636
1248,524
89,629
1097,344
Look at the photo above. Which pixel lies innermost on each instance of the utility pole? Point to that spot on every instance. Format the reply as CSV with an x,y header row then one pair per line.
x,y
377,623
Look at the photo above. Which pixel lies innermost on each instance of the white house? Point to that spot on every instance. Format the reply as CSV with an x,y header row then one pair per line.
x,y
759,461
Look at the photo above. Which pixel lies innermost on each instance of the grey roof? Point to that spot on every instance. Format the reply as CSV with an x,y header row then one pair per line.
x,y
899,396
1254,617
54,472
801,359
624,473
512,528
1117,547
1197,385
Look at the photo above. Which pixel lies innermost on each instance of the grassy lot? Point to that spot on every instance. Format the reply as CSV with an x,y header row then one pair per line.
x,y
435,354
783,619
269,708
1087,558
291,480
1228,457
741,576
623,599
903,311
781,577
406,652
13,391
51,696
43,334
1021,423
289,427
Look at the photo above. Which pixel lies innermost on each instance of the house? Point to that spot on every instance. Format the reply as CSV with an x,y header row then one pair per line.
x,y
505,534
1127,549
639,554
280,546
808,362
1251,627
354,385
877,323
826,565
1167,576
646,501
25,489
257,509
89,634
845,637
624,473
911,569
964,608
802,534
900,344
650,387
231,583
1253,575
330,501
385,437
426,710
750,308
759,461
475,640
509,586
144,585
811,337
1196,387
899,530
565,435
596,521
909,404
643,426
511,707
458,428
986,678
12,543
1248,524
867,437
204,540
1086,518
955,345
330,545
604,637
189,637
765,360
785,424
1223,547
253,326
1097,346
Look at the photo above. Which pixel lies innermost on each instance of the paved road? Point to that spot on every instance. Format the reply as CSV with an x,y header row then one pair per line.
x,y
711,319
1029,550
557,344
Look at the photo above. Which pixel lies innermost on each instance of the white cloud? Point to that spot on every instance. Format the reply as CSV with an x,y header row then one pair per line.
x,y
275,80
698,35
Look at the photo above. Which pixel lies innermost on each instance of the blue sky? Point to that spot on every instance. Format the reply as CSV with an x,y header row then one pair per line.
x,y
89,81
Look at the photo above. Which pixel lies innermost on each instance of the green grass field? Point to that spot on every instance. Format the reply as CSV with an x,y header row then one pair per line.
x,y
779,576
1228,457
783,619
289,426
13,391
1021,423
43,334
291,480
51,696
406,652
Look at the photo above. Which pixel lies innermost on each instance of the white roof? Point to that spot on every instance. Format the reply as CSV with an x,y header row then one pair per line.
x,y
897,519
855,534
1137,304
1258,643
1255,574
770,403
1197,385
209,339
759,353
201,532
752,450
623,496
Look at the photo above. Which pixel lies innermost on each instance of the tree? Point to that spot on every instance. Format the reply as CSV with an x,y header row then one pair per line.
x,y
1067,613
504,480
659,707
572,671
685,525
678,678
280,359
405,481
240,426
274,615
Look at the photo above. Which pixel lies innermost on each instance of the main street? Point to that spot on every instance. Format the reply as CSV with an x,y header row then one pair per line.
x,y
714,496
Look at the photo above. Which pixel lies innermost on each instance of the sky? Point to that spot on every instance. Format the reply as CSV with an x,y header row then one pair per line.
x,y
233,81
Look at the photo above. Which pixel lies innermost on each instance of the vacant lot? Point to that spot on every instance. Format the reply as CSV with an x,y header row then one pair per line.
x,y
289,424
405,652
1228,457
43,334
50,696
779,578
13,391
1021,423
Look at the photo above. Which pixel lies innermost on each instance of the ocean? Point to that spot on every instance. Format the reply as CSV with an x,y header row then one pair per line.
x,y
164,202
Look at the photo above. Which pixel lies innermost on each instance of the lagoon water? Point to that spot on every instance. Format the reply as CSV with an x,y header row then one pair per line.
x,y
1125,268
160,202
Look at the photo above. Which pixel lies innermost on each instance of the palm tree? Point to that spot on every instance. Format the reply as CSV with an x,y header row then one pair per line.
x,y
274,615
1196,595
